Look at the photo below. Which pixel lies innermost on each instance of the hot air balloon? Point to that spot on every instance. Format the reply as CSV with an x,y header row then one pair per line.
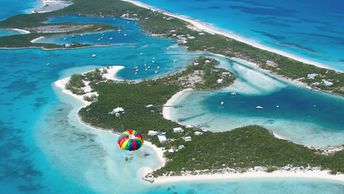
x,y
130,140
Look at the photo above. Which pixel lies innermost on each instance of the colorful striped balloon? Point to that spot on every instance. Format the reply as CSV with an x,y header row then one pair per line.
x,y
130,140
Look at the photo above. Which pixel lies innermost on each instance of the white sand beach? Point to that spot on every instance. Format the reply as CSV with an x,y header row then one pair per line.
x,y
205,27
21,31
161,161
51,5
311,174
166,110
61,84
37,39
111,72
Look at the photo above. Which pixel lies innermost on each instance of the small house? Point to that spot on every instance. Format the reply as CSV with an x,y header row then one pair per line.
x,y
312,75
162,138
178,130
187,138
152,133
149,105
198,133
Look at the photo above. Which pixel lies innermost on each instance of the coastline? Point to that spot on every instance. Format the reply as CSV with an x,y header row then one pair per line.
x,y
202,26
308,174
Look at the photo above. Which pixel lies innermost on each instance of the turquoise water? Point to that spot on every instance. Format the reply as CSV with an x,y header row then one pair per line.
x,y
45,149
309,28
7,32
15,7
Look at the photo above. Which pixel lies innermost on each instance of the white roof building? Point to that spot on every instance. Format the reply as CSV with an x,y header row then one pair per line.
x,y
162,138
178,130
187,138
117,110
152,133
198,133
312,75
225,73
149,105
219,80
327,83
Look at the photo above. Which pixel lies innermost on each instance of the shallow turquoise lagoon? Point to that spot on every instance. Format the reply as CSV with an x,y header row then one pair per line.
x,y
257,98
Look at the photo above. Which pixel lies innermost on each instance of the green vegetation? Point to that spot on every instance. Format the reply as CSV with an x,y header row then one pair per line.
x,y
245,148
210,152
75,84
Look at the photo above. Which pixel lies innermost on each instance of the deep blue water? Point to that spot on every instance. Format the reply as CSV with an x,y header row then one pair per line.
x,y
45,150
309,28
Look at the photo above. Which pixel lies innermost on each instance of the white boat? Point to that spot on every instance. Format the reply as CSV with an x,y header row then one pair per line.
x,y
259,107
